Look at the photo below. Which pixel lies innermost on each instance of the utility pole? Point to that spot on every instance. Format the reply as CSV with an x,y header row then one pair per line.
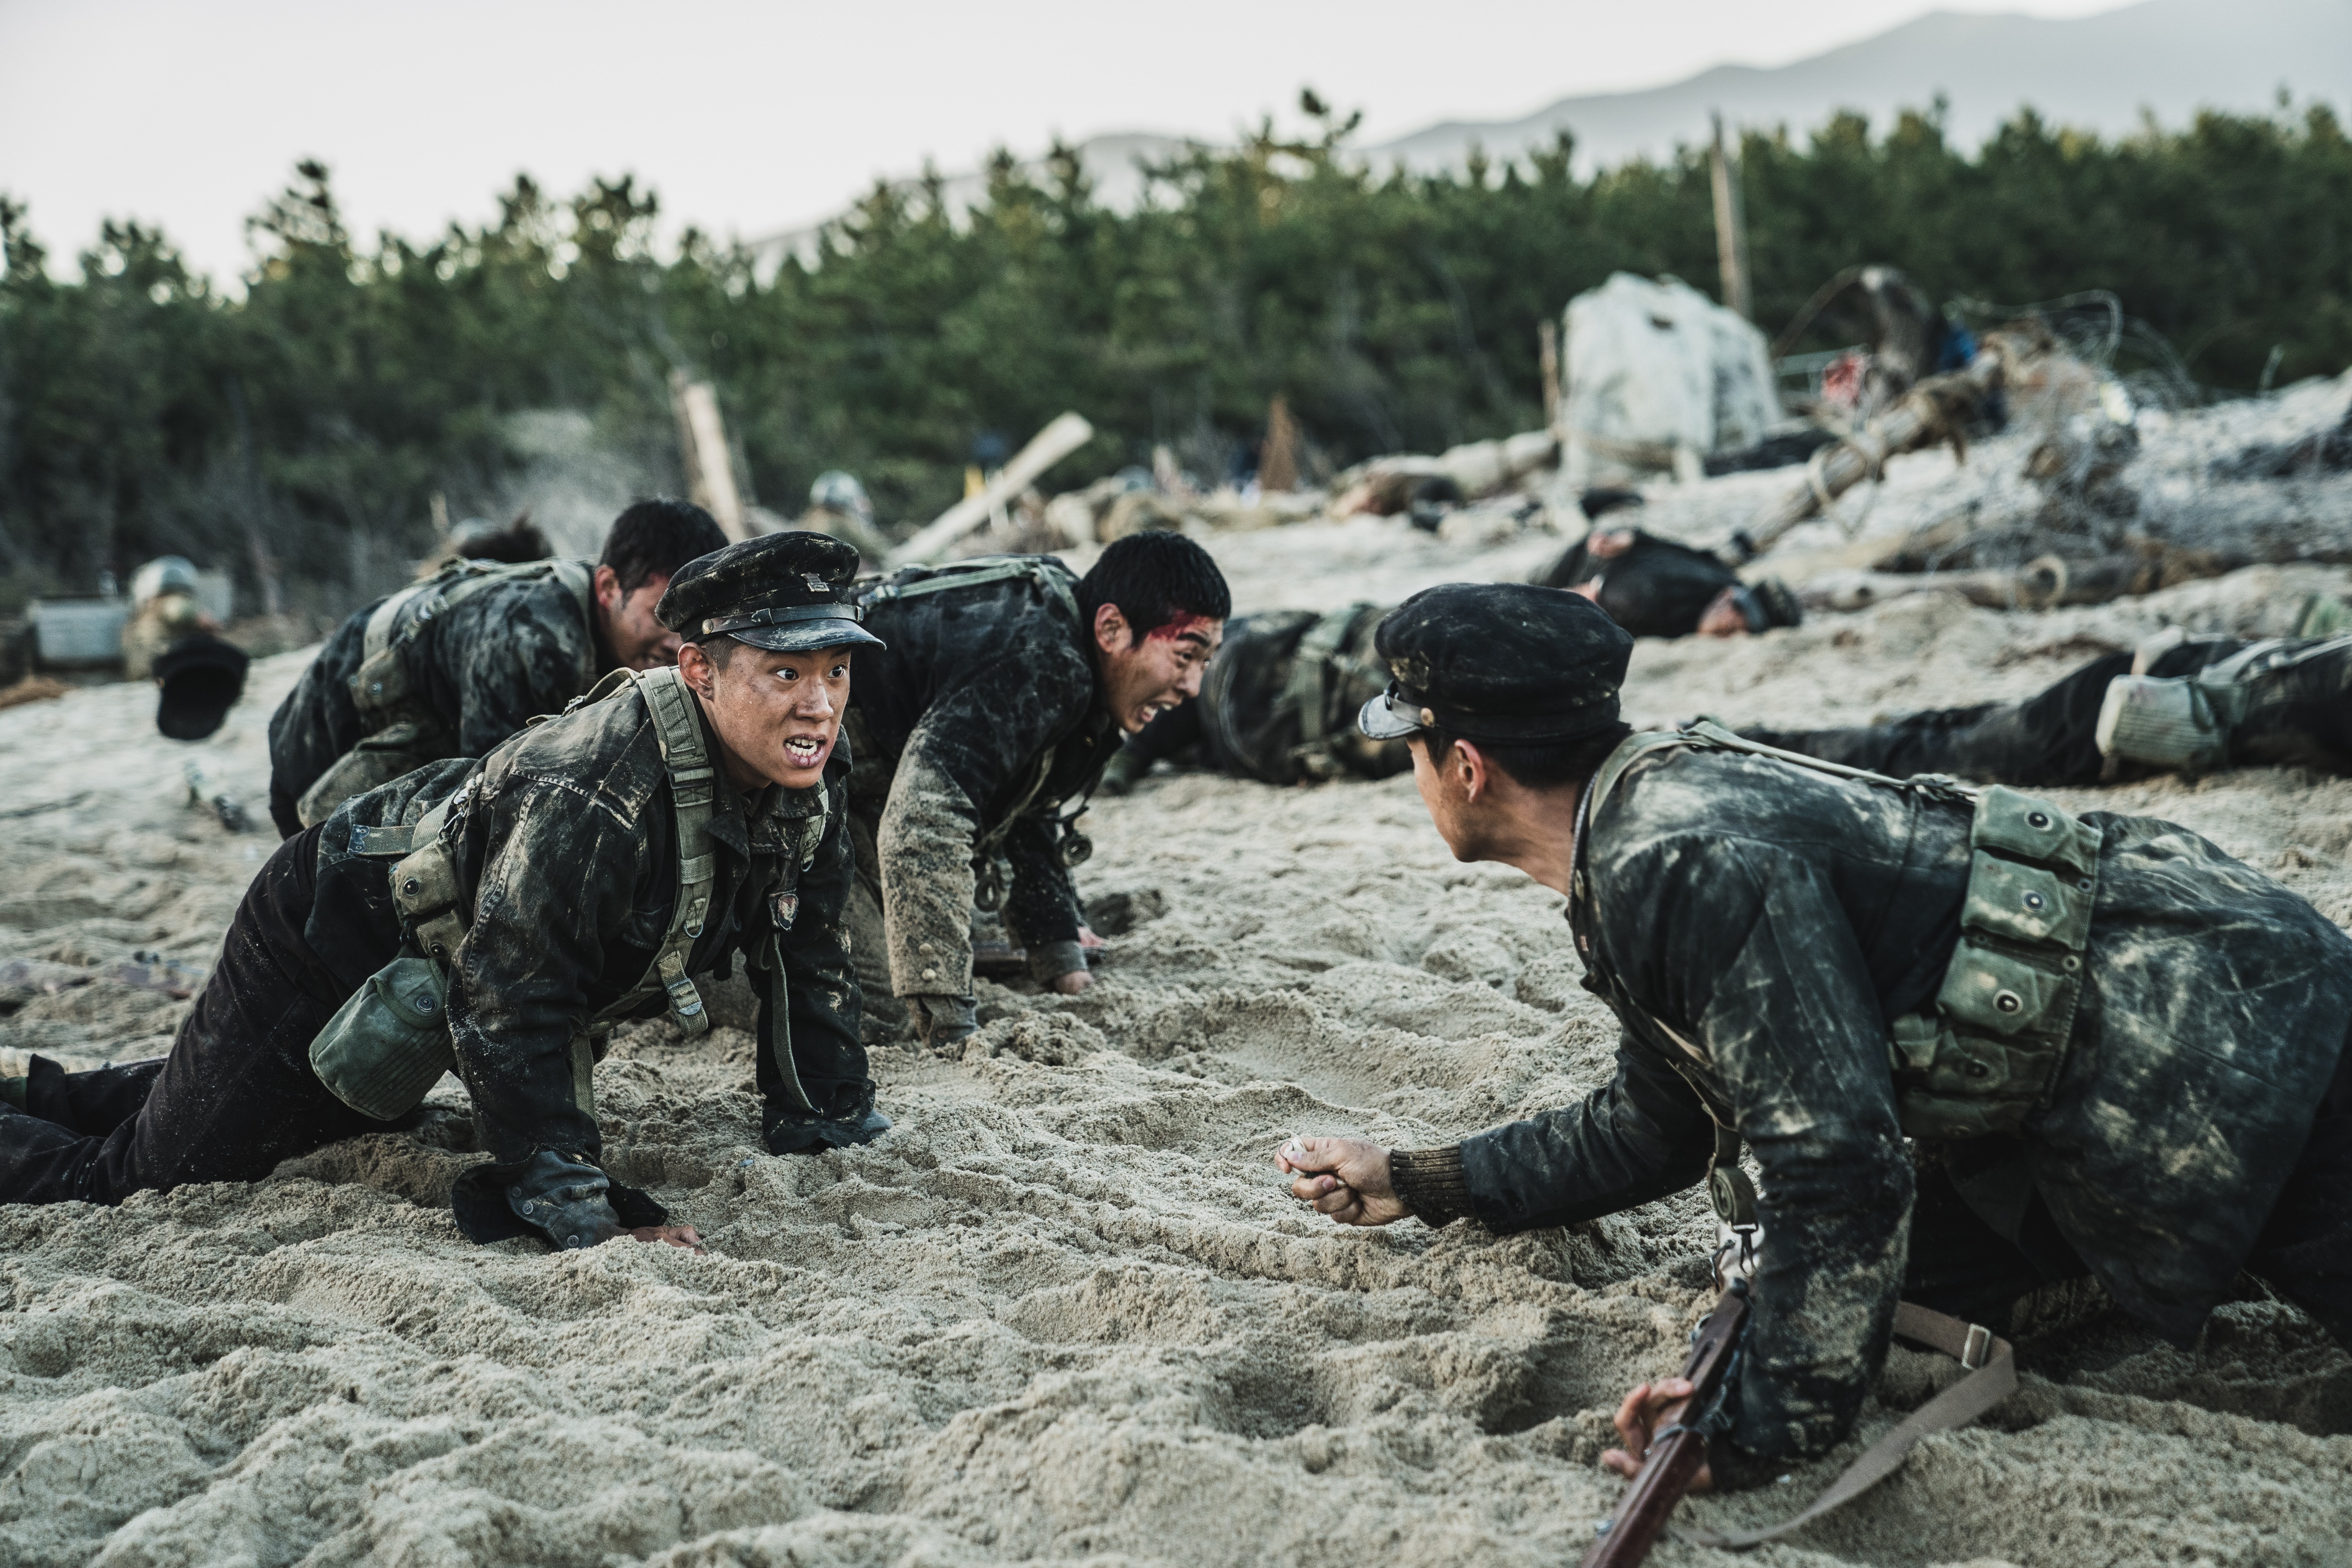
x,y
1730,229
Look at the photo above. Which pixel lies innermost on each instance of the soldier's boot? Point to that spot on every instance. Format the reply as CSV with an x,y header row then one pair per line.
x,y
792,1131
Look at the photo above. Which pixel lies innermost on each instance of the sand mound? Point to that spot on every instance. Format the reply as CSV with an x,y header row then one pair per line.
x,y
1063,1311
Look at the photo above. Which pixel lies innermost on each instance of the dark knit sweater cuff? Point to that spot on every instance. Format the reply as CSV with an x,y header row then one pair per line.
x,y
1430,1182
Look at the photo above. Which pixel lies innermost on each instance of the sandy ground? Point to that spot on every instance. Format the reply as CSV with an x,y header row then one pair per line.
x,y
1063,1311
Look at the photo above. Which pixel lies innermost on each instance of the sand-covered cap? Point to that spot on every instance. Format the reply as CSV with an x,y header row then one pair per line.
x,y
1500,662
781,592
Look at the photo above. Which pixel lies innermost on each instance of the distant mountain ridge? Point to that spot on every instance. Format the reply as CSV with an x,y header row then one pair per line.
x,y
2168,58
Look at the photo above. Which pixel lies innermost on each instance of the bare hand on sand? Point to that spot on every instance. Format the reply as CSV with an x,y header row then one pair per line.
x,y
1077,980
675,1235
1347,1178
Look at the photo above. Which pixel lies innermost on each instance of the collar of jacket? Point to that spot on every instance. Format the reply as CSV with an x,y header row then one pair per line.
x,y
737,820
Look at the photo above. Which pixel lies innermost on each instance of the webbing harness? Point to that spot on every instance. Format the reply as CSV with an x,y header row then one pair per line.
x,y
427,890
2032,880
380,687
1052,579
1982,1055
693,788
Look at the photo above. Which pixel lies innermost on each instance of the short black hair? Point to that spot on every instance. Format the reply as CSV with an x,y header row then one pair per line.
x,y
1153,577
518,542
654,538
1539,765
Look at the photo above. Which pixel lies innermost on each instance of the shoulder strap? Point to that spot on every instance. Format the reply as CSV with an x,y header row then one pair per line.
x,y
1993,1377
377,688
1309,689
1706,735
1051,575
693,786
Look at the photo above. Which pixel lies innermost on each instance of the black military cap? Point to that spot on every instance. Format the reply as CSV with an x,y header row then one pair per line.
x,y
1498,661
781,592
200,679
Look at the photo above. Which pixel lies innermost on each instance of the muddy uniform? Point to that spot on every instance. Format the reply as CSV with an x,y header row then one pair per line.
x,y
2118,1050
974,728
1657,588
1278,703
516,641
496,918
2298,713
1754,925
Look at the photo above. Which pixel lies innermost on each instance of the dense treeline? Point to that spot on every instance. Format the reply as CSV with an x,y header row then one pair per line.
x,y
308,421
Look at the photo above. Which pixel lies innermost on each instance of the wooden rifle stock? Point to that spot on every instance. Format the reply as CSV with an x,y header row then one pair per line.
x,y
1680,1447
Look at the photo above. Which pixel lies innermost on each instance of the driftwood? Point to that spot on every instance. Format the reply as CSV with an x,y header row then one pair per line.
x,y
1048,447
1928,415
702,445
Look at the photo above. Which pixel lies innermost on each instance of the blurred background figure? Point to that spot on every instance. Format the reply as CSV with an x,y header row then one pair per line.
x,y
838,505
171,640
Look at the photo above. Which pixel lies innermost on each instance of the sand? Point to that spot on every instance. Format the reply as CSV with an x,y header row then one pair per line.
x,y
1064,1312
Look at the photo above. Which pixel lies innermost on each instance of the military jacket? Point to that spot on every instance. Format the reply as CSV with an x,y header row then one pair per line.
x,y
491,662
986,707
1657,588
1259,719
1755,925
565,845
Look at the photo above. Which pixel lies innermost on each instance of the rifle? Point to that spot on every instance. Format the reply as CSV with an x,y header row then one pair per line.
x,y
1679,1447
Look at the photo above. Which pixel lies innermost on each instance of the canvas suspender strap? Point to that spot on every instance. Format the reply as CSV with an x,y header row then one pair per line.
x,y
380,683
1050,575
693,787
1309,689
1993,1377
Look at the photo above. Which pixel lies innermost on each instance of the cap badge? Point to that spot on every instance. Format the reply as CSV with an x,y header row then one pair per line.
x,y
816,584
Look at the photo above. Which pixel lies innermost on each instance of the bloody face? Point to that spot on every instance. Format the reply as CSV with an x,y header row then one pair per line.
x,y
1144,677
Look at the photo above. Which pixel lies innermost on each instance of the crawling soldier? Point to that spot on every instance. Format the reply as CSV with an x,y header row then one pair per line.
x,y
1656,587
452,666
495,917
1279,705
1005,687
2197,705
2120,1052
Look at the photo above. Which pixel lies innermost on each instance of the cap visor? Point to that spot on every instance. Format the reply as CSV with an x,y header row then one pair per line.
x,y
807,637
1379,722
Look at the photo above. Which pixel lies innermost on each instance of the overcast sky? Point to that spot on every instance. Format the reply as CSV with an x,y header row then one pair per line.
x,y
751,118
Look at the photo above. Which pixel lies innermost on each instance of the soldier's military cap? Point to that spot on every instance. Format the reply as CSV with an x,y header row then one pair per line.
x,y
786,593
1503,662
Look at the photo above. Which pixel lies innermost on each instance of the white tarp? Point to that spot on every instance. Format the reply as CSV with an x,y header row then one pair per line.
x,y
1654,376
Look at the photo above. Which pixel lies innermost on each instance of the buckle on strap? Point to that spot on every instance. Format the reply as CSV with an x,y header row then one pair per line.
x,y
1977,1349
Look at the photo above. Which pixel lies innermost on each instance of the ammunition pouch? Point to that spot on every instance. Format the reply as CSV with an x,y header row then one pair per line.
x,y
1983,1057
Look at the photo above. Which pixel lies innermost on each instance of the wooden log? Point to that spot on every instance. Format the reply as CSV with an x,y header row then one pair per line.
x,y
702,445
1057,441
1927,414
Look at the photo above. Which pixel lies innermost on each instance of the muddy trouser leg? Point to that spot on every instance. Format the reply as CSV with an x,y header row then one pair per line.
x,y
2305,1251
236,1096
2047,740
